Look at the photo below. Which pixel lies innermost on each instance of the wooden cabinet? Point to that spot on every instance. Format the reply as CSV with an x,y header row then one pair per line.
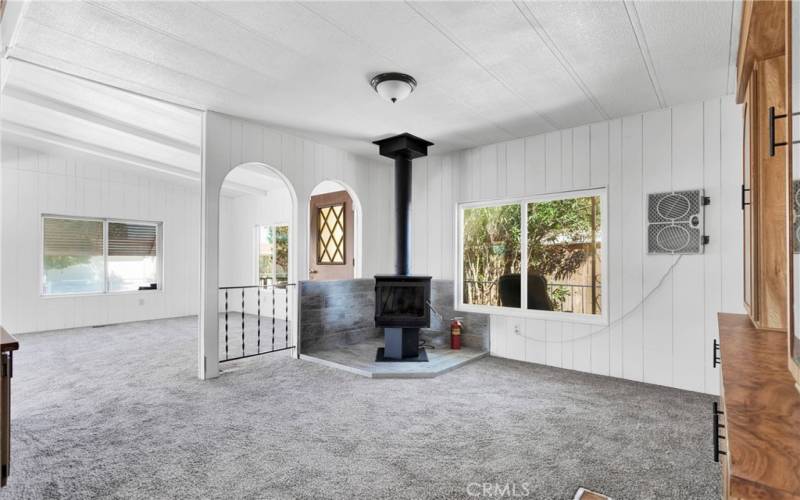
x,y
762,87
760,413
8,345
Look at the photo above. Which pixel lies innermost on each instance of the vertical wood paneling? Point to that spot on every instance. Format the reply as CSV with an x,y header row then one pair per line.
x,y
42,183
515,168
656,177
632,249
536,164
420,216
552,161
688,276
502,170
615,248
597,339
712,265
432,242
666,339
448,219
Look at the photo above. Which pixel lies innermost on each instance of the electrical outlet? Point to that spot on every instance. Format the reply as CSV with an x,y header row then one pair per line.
x,y
517,329
141,302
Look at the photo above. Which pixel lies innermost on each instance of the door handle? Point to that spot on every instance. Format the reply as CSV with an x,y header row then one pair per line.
x,y
312,271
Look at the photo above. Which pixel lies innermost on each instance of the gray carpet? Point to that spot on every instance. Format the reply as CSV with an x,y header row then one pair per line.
x,y
117,412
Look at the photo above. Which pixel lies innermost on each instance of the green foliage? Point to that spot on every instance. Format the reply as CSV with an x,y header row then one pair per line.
x,y
559,242
282,252
560,236
278,239
491,249
59,262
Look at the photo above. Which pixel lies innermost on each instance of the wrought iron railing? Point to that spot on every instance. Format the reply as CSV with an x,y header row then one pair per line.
x,y
236,312
562,295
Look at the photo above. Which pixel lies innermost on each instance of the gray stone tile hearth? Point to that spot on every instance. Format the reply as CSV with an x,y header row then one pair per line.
x,y
342,313
360,359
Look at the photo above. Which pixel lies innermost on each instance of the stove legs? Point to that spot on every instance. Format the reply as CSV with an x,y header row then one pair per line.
x,y
401,343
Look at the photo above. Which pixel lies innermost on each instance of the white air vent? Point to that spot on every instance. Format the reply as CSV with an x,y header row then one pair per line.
x,y
675,222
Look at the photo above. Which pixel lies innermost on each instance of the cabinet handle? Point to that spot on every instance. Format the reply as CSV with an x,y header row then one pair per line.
x,y
715,357
717,437
744,190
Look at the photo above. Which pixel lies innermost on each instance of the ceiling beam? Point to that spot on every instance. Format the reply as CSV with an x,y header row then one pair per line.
x,y
21,130
12,129
81,113
11,19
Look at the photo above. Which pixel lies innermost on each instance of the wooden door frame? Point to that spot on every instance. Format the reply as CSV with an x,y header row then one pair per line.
x,y
358,229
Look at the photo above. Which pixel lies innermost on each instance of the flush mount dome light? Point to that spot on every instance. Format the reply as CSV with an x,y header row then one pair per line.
x,y
393,86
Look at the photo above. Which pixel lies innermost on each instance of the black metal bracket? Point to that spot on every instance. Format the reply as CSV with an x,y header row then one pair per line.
x,y
717,437
706,239
706,201
744,190
715,358
772,118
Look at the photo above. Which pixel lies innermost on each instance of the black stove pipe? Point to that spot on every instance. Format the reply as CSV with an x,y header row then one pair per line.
x,y
403,149
402,214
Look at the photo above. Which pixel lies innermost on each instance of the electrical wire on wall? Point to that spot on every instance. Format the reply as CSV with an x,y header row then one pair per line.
x,y
621,318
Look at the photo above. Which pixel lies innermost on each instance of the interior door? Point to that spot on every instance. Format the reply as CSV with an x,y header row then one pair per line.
x,y
331,236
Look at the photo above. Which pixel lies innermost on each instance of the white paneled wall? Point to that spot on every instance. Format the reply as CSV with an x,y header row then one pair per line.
x,y
238,218
666,340
231,141
34,183
305,164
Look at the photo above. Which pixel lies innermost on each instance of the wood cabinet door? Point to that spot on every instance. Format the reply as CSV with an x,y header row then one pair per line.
x,y
747,215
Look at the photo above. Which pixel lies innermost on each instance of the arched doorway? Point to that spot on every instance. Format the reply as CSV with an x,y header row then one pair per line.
x,y
257,263
335,232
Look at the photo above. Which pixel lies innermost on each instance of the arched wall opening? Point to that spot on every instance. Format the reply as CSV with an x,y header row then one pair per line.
x,y
328,258
250,183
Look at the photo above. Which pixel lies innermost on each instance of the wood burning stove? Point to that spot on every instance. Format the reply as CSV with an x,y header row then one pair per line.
x,y
402,307
402,302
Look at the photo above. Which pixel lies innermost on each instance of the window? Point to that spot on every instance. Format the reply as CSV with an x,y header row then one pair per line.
x,y
559,247
82,255
273,254
330,235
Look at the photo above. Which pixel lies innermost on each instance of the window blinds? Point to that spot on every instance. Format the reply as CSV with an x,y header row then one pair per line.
x,y
130,240
72,237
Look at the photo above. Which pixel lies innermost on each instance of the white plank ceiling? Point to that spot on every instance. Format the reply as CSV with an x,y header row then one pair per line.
x,y
487,71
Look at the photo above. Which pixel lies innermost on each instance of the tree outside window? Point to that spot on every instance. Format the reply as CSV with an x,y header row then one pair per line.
x,y
563,255
273,255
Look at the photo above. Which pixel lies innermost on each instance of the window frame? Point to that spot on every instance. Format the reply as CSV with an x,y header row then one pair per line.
x,y
523,311
105,220
344,233
257,251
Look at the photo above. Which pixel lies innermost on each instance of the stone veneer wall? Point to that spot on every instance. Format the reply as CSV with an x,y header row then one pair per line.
x,y
340,313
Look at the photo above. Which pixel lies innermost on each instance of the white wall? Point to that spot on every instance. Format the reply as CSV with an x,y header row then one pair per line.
x,y
34,183
239,216
228,142
668,341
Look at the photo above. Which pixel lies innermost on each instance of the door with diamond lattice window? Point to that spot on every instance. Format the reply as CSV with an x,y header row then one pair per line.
x,y
331,249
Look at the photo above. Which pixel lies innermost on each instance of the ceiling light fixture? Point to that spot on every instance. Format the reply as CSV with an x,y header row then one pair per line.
x,y
393,86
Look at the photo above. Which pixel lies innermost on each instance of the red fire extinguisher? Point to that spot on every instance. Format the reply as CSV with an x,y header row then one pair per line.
x,y
455,333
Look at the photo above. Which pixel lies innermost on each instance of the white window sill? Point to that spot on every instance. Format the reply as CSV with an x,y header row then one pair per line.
x,y
590,319
157,291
